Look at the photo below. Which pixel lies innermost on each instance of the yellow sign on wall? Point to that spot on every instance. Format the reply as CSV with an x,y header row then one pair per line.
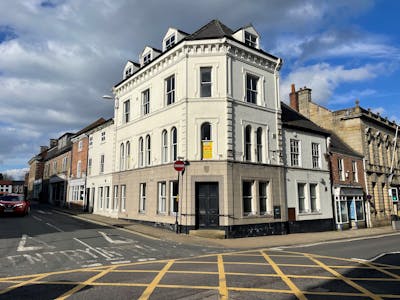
x,y
207,149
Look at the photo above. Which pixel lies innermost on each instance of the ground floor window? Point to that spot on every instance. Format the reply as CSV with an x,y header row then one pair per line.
x,y
162,197
308,197
100,197
123,197
142,199
264,199
247,190
107,196
115,195
349,208
174,197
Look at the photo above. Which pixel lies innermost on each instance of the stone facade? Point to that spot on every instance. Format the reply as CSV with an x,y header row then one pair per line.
x,y
374,138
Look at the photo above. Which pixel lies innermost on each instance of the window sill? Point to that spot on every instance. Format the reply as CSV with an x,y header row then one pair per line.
x,y
306,213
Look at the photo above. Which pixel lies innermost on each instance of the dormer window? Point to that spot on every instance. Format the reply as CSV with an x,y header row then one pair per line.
x,y
250,39
146,58
128,72
169,42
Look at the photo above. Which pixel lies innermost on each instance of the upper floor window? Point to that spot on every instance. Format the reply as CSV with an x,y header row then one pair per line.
x,y
80,145
128,155
102,163
64,164
251,88
146,102
341,169
141,152
206,144
169,42
316,161
295,152
54,167
205,82
164,140
174,144
122,157
259,145
247,141
90,141
148,150
128,72
126,111
170,89
103,136
354,170
146,58
250,39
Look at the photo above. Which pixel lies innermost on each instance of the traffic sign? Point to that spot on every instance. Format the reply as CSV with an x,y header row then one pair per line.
x,y
179,165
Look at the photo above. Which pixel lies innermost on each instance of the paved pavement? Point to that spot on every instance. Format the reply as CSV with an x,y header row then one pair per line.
x,y
239,243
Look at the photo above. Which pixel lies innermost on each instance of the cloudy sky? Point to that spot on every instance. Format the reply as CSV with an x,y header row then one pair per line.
x,y
58,57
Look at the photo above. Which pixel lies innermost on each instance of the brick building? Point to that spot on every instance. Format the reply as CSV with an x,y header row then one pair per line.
x,y
373,137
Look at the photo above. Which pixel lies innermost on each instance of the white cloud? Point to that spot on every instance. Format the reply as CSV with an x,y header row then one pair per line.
x,y
324,78
16,174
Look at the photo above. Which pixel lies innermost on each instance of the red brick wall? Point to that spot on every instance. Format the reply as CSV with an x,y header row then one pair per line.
x,y
79,155
347,166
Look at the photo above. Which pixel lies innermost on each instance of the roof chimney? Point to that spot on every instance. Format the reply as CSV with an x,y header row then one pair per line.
x,y
53,143
294,99
43,148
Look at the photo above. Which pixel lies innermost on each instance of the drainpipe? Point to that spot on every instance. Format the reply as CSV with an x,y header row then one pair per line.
x,y
367,204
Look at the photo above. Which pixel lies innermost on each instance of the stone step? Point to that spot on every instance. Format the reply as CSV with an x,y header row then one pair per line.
x,y
208,233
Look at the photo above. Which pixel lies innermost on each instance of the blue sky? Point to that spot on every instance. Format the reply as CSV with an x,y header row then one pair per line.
x,y
57,57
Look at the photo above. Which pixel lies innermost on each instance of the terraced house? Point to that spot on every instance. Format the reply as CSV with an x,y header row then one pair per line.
x,y
210,98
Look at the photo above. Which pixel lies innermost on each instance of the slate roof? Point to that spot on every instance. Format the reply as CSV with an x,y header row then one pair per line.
x,y
91,126
293,119
213,29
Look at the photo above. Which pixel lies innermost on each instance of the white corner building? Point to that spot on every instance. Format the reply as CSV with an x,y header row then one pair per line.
x,y
211,99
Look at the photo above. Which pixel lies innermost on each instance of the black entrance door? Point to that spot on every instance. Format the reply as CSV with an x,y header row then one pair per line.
x,y
207,205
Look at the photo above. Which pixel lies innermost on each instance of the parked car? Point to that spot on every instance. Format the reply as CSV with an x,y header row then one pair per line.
x,y
14,204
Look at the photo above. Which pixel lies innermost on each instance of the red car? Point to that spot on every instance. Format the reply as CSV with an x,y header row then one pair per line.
x,y
14,204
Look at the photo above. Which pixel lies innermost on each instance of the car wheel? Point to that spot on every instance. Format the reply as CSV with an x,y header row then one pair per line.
x,y
28,211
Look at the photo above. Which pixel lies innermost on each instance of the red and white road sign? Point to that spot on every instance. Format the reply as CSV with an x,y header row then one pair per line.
x,y
179,165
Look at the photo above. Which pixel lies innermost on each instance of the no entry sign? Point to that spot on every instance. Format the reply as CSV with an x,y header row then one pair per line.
x,y
179,165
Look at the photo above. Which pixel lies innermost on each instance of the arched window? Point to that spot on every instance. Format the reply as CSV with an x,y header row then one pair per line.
x,y
141,152
206,144
206,132
128,155
148,150
174,144
259,145
247,142
164,150
121,157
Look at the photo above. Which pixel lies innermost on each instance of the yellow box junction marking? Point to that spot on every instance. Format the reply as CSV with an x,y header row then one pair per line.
x,y
150,289
223,291
299,294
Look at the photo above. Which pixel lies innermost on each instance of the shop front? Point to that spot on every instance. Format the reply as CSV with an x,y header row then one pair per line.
x,y
349,208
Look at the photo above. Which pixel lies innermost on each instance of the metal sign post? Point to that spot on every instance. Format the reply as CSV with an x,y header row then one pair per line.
x,y
179,166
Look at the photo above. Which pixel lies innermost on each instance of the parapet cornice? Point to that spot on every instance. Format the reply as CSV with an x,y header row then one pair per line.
x,y
212,47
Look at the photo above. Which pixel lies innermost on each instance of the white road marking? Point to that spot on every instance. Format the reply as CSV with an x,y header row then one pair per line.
x,y
55,227
146,259
280,248
120,262
383,254
93,249
21,246
37,218
92,265
107,225
110,240
44,212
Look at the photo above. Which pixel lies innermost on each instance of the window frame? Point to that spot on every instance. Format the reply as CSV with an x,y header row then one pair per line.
x,y
295,153
162,197
141,152
127,110
123,197
174,144
315,155
148,150
115,197
102,160
252,93
205,84
354,170
146,58
314,199
247,200
142,197
247,143
264,199
170,41
302,197
145,102
250,39
164,146
173,197
170,90
342,176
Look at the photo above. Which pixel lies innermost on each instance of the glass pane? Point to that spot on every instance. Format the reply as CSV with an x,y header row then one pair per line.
x,y
205,90
343,211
